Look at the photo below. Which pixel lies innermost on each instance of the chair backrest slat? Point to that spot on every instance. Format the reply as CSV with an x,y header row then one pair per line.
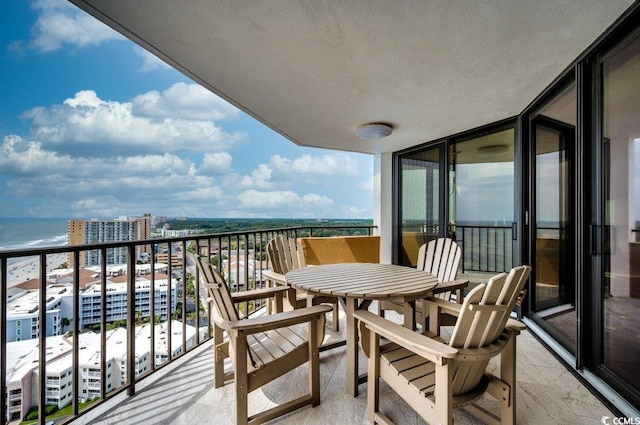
x,y
440,257
284,254
218,290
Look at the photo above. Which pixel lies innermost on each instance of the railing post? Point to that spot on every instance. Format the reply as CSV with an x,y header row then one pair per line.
x,y
152,307
75,383
42,336
131,320
3,340
103,322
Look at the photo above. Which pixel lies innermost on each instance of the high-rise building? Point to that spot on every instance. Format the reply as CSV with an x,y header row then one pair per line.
x,y
100,231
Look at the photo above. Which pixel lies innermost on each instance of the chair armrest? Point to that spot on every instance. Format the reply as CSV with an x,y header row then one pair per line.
x,y
256,294
278,320
422,345
451,285
516,325
275,277
445,306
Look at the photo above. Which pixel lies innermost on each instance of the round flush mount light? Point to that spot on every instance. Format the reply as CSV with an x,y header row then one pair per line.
x,y
492,150
374,130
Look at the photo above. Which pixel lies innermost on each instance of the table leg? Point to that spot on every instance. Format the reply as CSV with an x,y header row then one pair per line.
x,y
410,315
349,305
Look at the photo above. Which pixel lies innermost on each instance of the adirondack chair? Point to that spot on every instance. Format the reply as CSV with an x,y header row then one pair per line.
x,y
440,257
285,254
262,348
435,377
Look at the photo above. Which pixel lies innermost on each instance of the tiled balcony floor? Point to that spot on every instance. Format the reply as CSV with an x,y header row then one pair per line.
x,y
547,394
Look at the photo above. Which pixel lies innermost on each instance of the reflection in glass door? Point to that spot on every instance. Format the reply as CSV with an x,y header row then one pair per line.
x,y
619,203
419,201
554,295
481,200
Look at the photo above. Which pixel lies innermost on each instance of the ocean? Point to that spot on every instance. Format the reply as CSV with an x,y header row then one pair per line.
x,y
22,233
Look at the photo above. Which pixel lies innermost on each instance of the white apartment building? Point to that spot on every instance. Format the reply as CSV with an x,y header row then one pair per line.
x,y
116,300
23,313
22,365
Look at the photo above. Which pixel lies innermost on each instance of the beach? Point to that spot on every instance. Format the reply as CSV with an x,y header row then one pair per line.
x,y
28,268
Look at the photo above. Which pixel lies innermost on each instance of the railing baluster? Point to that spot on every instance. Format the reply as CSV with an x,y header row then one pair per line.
x,y
75,383
184,297
131,317
170,301
42,336
103,322
152,307
3,340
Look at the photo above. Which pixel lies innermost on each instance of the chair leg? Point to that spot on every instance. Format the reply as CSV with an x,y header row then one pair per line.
x,y
314,364
336,317
373,381
443,395
508,375
241,381
219,354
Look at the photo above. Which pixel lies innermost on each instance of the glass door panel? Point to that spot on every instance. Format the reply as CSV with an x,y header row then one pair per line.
x,y
553,297
419,201
620,204
481,200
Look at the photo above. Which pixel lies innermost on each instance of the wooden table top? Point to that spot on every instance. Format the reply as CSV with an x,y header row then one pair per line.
x,y
363,280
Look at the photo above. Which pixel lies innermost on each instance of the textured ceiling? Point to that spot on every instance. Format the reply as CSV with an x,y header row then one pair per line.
x,y
315,70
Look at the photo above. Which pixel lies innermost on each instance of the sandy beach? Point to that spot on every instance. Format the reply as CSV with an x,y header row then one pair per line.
x,y
28,268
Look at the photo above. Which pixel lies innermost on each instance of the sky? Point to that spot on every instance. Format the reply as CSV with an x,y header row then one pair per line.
x,y
93,126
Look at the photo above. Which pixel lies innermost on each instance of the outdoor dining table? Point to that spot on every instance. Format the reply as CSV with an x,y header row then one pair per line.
x,y
356,285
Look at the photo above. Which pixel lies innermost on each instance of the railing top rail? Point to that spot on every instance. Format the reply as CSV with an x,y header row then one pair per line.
x,y
27,252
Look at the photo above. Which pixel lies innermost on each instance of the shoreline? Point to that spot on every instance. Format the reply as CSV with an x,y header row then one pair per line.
x,y
28,268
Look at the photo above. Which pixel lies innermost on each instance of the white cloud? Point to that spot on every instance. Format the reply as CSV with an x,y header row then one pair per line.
x,y
355,212
330,164
186,101
150,62
23,157
60,23
285,200
104,127
216,163
366,185
260,178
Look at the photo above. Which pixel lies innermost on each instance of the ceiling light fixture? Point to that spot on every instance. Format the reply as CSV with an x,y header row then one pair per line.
x,y
374,130
491,150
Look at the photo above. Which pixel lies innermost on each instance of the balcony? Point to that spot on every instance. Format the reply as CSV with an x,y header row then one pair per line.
x,y
548,392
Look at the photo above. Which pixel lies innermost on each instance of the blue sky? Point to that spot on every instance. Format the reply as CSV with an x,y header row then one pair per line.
x,y
91,125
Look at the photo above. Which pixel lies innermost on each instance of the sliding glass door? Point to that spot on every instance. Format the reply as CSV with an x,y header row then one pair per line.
x,y
464,189
617,259
554,293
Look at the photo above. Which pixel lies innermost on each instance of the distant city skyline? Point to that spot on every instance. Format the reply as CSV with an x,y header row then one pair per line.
x,y
91,125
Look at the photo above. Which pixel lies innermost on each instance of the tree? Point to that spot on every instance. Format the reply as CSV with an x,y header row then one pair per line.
x,y
65,322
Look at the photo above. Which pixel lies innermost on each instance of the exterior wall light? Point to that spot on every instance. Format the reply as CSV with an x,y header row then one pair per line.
x,y
374,130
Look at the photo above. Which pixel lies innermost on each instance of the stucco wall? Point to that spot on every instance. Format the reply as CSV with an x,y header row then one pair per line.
x,y
343,249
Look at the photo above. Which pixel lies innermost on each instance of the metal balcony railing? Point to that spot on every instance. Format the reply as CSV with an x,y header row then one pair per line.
x,y
485,248
240,256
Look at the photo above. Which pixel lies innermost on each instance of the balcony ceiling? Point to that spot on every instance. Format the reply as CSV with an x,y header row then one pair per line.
x,y
315,70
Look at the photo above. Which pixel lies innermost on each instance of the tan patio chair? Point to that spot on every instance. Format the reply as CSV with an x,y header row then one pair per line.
x,y
285,254
440,257
262,348
434,377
